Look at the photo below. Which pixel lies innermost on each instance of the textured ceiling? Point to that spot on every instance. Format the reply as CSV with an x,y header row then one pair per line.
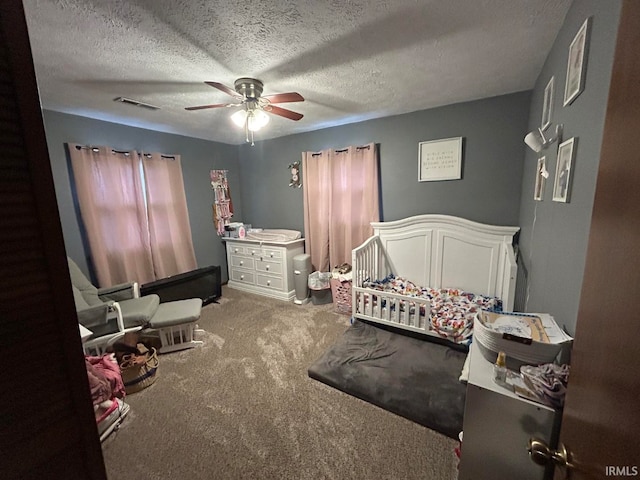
x,y
352,60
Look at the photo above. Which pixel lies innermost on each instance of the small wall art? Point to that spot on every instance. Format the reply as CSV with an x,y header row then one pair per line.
x,y
296,180
577,63
541,179
547,105
440,160
564,166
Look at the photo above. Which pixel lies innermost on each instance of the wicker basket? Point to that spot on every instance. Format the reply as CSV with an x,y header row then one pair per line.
x,y
341,293
139,371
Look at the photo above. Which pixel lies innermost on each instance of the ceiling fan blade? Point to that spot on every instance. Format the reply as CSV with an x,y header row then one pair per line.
x,y
217,105
225,89
283,112
284,97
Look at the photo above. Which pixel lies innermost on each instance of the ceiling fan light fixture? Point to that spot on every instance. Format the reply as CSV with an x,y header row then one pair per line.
x,y
257,119
239,118
254,119
252,115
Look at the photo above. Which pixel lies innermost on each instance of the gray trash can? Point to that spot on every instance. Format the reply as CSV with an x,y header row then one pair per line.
x,y
301,271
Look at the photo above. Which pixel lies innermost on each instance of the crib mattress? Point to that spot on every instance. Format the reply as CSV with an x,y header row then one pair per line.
x,y
412,377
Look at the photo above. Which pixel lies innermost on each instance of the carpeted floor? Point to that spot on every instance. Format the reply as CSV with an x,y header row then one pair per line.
x,y
243,407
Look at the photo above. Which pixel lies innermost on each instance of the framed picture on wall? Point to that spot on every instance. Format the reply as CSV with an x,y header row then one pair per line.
x,y
564,166
547,105
541,179
440,160
577,63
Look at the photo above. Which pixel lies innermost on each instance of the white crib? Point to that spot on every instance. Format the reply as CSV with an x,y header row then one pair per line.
x,y
437,251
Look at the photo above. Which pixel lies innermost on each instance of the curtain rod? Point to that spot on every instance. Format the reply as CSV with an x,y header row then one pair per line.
x,y
123,152
344,150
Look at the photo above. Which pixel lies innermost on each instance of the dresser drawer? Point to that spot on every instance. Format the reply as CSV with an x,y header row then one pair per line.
x,y
271,253
270,282
253,251
234,248
267,266
242,262
242,276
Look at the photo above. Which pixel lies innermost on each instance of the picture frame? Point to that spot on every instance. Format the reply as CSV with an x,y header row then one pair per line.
x,y
440,160
564,170
577,63
547,104
541,179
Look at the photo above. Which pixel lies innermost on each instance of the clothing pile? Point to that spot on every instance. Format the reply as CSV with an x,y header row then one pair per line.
x,y
452,309
107,393
548,382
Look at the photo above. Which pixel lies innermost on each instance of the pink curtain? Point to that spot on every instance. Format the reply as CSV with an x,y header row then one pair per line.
x,y
111,198
169,228
316,184
340,200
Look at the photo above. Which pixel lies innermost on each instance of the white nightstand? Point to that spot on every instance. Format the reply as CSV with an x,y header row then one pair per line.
x,y
497,427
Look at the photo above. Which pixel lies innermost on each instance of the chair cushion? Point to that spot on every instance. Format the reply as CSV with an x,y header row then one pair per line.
x,y
138,312
177,312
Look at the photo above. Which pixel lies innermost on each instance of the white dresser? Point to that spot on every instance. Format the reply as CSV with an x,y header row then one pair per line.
x,y
263,267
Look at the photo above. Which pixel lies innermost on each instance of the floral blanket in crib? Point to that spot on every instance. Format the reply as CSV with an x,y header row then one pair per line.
x,y
452,309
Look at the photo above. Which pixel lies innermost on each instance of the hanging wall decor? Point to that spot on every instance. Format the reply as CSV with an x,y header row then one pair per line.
x,y
541,179
296,180
564,165
547,106
577,64
222,205
440,160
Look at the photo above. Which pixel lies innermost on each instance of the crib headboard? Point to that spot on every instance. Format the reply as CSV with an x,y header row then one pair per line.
x,y
442,251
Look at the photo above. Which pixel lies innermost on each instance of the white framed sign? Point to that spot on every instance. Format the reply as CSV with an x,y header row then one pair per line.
x,y
440,160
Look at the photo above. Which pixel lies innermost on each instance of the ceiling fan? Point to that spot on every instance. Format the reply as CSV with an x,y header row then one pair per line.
x,y
248,93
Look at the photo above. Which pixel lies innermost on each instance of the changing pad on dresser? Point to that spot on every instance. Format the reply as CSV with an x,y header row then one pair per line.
x,y
273,235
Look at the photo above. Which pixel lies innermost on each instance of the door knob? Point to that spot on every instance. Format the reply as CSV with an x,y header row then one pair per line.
x,y
541,454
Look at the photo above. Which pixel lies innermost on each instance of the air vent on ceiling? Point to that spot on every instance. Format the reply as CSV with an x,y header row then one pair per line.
x,y
136,103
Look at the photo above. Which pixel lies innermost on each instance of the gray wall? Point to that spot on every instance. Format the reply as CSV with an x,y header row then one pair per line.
x,y
554,235
489,191
198,158
492,164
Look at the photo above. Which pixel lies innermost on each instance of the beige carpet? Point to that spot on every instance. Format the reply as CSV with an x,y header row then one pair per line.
x,y
243,407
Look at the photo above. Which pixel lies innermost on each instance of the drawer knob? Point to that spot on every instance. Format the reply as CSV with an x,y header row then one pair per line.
x,y
268,282
267,267
241,277
271,254
253,252
235,250
241,263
